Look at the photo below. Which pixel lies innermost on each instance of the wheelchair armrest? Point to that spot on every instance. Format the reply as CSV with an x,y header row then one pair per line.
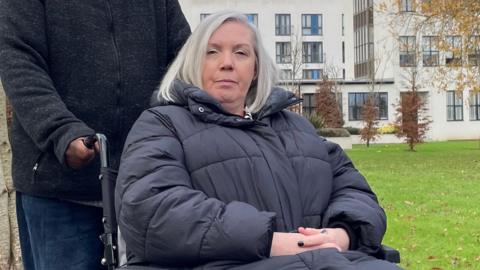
x,y
389,254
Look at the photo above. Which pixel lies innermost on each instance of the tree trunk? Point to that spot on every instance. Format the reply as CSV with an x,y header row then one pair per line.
x,y
10,258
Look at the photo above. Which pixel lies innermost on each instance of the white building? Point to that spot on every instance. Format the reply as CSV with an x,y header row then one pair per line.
x,y
350,41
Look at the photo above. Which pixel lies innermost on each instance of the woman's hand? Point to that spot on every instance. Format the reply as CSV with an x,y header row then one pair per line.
x,y
337,237
307,239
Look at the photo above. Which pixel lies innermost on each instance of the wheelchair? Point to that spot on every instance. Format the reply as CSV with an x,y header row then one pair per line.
x,y
114,254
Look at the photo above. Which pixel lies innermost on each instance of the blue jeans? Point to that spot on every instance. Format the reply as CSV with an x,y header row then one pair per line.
x,y
56,234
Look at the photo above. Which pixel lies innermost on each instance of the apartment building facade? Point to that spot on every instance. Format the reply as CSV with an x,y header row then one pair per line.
x,y
350,41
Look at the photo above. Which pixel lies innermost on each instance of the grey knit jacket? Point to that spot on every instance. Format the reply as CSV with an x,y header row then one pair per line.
x,y
72,68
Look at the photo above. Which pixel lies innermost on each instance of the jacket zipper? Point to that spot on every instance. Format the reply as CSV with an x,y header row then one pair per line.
x,y
36,165
118,90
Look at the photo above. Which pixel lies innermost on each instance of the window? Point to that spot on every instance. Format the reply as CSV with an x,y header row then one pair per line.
x,y
343,52
361,5
282,24
286,74
283,52
252,18
312,24
363,39
453,57
343,74
312,74
474,106
407,51
356,101
308,104
430,51
203,16
473,50
406,5
343,24
312,52
454,106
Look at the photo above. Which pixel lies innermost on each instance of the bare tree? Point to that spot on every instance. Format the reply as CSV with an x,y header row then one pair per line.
x,y
294,82
371,65
327,103
9,242
369,132
448,28
412,121
370,109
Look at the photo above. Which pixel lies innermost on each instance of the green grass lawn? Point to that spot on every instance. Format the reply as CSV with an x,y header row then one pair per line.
x,y
432,200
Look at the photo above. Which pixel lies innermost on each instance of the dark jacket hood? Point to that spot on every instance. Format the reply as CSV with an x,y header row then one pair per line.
x,y
200,103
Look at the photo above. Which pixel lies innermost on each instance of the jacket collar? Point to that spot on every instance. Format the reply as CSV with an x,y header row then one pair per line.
x,y
205,107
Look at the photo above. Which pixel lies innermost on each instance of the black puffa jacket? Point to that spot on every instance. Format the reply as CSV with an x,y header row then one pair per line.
x,y
199,187
71,68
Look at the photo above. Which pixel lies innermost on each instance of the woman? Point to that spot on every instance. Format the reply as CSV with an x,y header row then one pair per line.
x,y
219,175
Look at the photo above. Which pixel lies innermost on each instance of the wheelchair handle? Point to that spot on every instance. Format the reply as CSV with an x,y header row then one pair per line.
x,y
103,150
89,141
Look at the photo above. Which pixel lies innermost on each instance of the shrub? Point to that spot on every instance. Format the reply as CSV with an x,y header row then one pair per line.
x,y
353,130
316,120
333,132
387,129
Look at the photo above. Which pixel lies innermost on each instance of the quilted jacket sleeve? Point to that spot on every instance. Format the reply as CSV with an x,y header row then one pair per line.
x,y
164,220
354,204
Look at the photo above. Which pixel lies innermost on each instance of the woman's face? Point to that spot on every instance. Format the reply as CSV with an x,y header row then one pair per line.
x,y
229,65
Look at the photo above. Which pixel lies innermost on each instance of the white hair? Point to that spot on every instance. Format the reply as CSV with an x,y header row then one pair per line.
x,y
187,66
